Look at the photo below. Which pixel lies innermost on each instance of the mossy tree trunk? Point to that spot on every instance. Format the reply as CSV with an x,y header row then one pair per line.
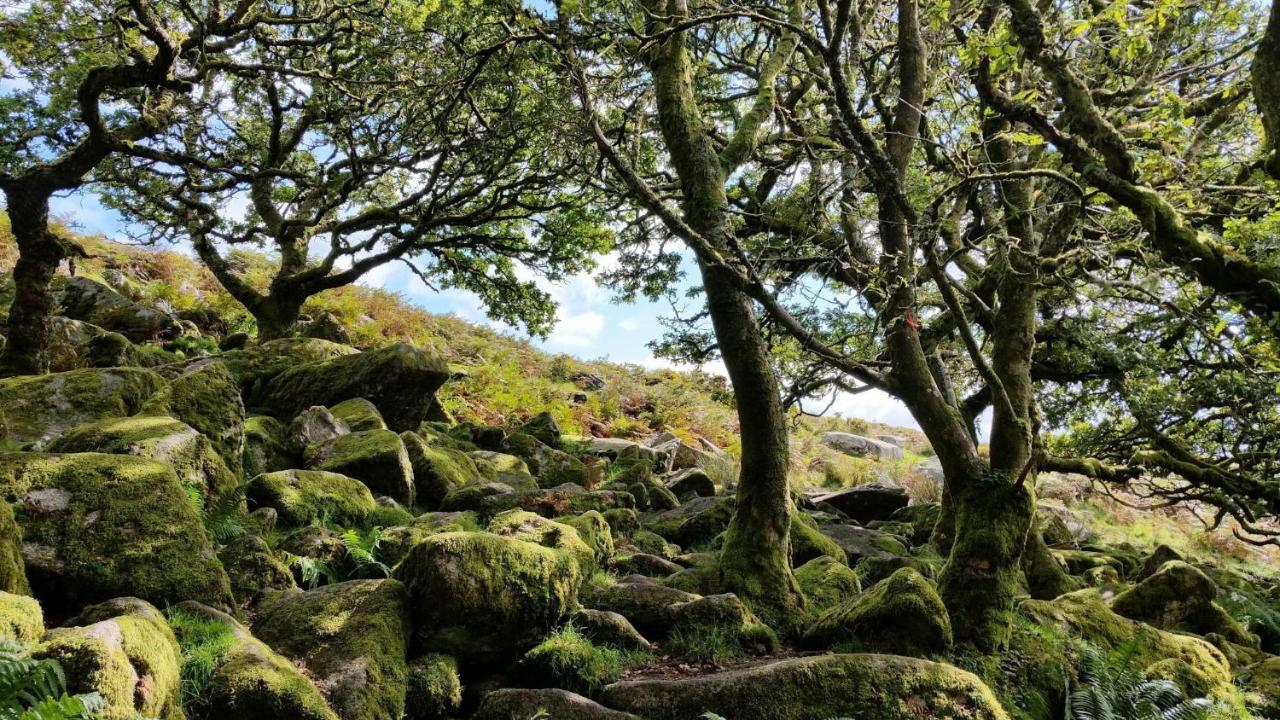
x,y
755,559
39,254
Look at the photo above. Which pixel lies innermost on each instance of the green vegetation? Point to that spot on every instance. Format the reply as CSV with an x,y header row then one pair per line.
x,y
568,659
33,689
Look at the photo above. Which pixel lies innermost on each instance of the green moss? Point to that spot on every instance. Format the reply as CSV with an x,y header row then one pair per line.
x,y
437,471
254,569
807,543
594,531
717,627
13,574
534,528
477,595
826,583
901,614
34,409
125,651
104,526
264,446
435,688
623,521
653,544
359,415
208,399
249,681
1262,687
204,643
1031,675
332,629
568,659
376,458
301,497
637,478
21,619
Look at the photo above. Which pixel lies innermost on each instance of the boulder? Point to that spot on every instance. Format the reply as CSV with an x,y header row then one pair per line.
x,y
896,440
917,521
301,497
859,446
434,688
533,528
1181,597
693,523
859,542
488,499
317,543
552,467
610,628
264,446
208,399
808,543
400,380
21,619
650,494
643,564
123,650
359,415
35,409
437,471
376,458
866,503
1156,560
74,345
102,526
544,427
826,583
1261,684
313,426
255,366
254,569
646,604
901,614
93,302
326,326
692,482
352,637
479,596
867,687
162,439
544,702
724,618
595,532
13,573
250,681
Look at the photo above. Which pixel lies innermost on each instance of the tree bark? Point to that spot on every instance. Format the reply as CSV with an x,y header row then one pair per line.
x,y
39,254
277,313
1266,89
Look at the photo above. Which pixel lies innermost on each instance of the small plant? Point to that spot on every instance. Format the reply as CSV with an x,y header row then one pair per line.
x,y
1113,690
203,642
312,573
570,660
363,550
223,518
33,689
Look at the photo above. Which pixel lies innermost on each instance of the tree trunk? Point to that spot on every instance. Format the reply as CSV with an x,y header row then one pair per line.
x,y
39,254
277,313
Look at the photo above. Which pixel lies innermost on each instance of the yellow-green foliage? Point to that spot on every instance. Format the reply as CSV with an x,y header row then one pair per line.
x,y
826,582
435,688
21,619
303,496
13,575
901,614
569,660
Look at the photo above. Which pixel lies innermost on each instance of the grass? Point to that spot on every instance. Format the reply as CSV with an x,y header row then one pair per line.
x,y
569,659
203,643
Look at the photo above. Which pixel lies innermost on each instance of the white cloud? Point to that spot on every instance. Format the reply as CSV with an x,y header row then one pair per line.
x,y
576,330
628,325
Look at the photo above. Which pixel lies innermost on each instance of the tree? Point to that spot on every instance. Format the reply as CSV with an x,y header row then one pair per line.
x,y
386,133
86,81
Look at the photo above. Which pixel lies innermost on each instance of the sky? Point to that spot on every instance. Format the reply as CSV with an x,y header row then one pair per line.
x,y
589,324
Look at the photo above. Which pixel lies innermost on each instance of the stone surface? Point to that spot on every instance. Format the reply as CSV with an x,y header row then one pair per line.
x,y
866,503
860,446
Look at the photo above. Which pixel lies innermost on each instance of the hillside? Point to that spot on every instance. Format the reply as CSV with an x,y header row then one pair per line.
x,y
402,512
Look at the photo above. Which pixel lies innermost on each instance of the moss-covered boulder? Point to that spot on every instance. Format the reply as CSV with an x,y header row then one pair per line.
x,y
595,532
646,604
609,628
300,497
693,523
313,426
531,527
901,614
480,596
488,499
544,427
570,660
35,409
1261,684
826,583
400,380
102,526
359,415
650,494
165,440
208,399
254,569
807,543
544,702
13,574
1156,560
264,446
652,543
376,458
550,466
82,298
21,619
690,483
435,688
437,470
1085,614
859,542
320,544
123,650
867,687
1179,596
352,637
722,620
643,564
249,680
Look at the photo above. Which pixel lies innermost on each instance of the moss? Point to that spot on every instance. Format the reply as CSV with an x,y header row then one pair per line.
x,y
1262,687
387,514
901,614
1178,596
568,659
647,605
400,380
637,479
623,520
35,409
249,681
352,637
653,544
435,688
359,415
254,569
826,583
477,595
376,458
21,619
882,687
208,399
717,627
1031,675
264,446
807,543
13,574
301,497
594,531
534,528
694,522
437,471
164,439
125,651
104,526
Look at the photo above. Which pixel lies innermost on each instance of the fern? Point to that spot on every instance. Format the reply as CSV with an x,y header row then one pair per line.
x,y
1112,689
223,517
363,550
313,573
33,689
